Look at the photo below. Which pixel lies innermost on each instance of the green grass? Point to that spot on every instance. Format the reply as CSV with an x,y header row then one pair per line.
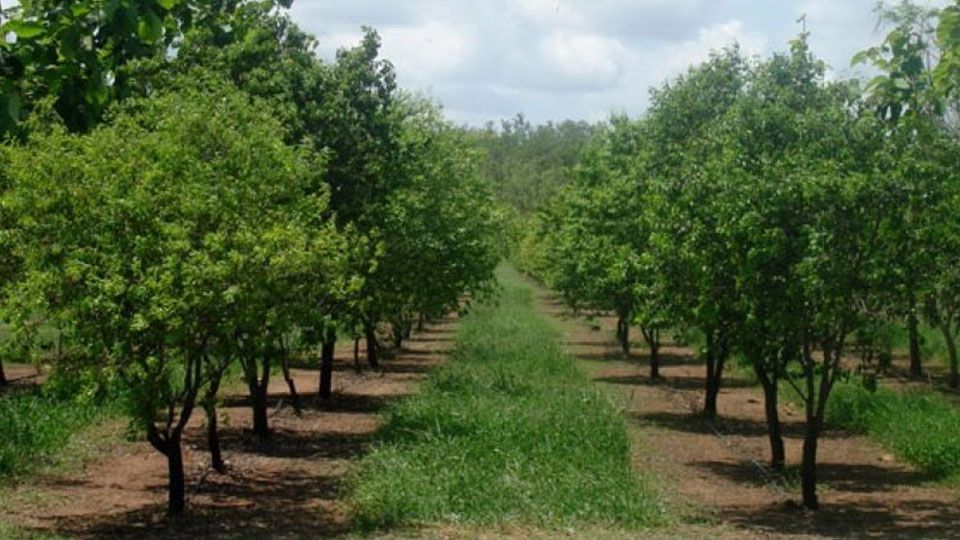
x,y
507,432
37,424
920,427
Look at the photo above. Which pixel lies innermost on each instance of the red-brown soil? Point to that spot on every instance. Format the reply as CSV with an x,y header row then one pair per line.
x,y
290,488
721,466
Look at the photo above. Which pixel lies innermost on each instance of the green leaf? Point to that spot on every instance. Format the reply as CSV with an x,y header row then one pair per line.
x,y
97,93
24,29
901,84
168,4
149,27
858,58
69,44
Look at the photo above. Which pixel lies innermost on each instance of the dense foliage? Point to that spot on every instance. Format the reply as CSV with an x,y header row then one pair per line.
x,y
783,216
187,186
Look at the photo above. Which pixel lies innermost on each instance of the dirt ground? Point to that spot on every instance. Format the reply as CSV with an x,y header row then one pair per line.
x,y
291,488
720,466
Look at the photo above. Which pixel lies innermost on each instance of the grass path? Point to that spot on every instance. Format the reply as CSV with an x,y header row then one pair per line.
x,y
508,432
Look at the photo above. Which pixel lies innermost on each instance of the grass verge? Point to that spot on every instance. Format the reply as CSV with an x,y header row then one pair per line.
x,y
507,432
920,427
37,424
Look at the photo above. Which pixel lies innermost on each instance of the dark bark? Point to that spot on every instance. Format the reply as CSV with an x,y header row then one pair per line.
x,y
356,354
916,365
291,385
420,322
623,333
716,359
951,341
652,337
326,363
213,435
168,441
808,467
258,397
769,381
373,356
177,488
3,376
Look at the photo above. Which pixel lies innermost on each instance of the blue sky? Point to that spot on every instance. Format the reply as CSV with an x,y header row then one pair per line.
x,y
580,59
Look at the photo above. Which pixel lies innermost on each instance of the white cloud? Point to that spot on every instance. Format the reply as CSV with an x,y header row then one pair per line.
x,y
428,51
589,59
581,59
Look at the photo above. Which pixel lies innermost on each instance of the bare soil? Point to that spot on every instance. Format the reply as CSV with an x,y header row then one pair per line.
x,y
292,487
717,471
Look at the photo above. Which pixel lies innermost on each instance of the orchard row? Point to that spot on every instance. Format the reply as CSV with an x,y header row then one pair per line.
x,y
186,187
784,217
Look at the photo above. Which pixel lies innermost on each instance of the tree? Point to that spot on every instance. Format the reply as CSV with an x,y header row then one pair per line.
x,y
140,239
77,52
692,263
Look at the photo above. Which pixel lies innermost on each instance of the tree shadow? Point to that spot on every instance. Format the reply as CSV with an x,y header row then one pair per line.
x,y
678,383
926,518
255,506
287,443
697,423
833,477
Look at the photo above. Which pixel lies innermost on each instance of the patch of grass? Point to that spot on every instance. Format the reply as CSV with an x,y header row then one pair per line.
x,y
11,532
920,427
38,424
508,431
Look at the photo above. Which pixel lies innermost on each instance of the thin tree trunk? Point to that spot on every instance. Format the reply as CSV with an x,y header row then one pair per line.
x,y
808,467
3,376
177,487
356,353
372,347
950,339
770,406
916,365
291,384
716,358
623,333
326,364
420,322
652,337
258,391
213,436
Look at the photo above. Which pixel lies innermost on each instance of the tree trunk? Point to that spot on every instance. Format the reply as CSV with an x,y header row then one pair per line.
x,y
916,365
258,393
291,385
177,486
951,342
420,322
213,436
372,346
3,377
326,364
808,468
770,402
356,354
716,358
623,334
652,337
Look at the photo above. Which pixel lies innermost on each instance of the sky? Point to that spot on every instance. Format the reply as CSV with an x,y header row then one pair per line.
x,y
575,59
